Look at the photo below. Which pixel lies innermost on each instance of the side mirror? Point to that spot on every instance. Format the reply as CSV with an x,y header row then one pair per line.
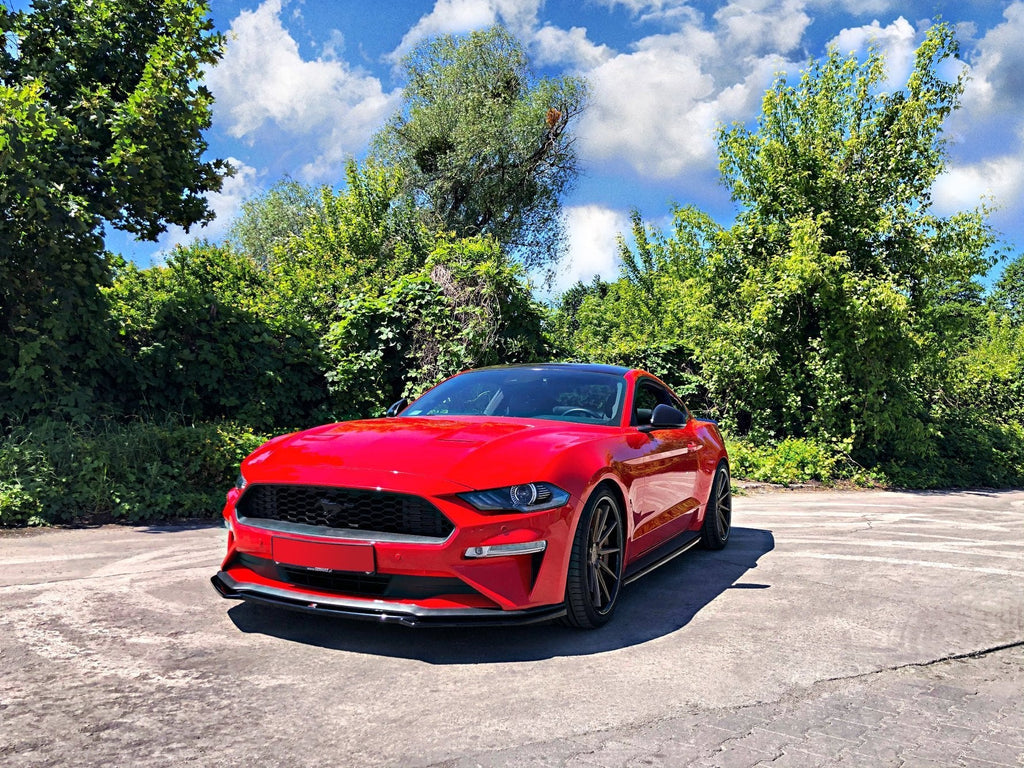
x,y
396,407
664,417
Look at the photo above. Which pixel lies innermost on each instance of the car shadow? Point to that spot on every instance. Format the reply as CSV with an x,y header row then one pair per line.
x,y
652,607
183,525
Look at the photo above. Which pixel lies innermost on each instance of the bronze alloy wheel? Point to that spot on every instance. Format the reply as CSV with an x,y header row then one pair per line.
x,y
595,570
718,517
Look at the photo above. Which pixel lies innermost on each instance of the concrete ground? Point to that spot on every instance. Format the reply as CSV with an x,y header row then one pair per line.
x,y
859,628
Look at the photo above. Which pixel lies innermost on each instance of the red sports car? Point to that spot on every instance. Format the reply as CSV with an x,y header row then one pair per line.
x,y
502,495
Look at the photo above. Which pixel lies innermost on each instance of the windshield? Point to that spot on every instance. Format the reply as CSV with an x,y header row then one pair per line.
x,y
559,394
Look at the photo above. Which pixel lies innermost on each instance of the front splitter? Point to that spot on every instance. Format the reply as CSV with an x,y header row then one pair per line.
x,y
381,611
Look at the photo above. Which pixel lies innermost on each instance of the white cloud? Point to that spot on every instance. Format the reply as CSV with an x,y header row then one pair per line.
x,y
742,100
858,7
897,42
987,133
762,26
225,204
456,17
997,74
593,248
263,83
655,10
658,106
998,180
553,45
645,110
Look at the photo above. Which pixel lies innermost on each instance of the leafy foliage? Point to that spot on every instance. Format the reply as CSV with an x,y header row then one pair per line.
x,y
204,338
837,329
358,309
268,221
851,284
361,239
110,472
795,460
838,311
321,305
101,120
485,145
658,314
1008,297
467,307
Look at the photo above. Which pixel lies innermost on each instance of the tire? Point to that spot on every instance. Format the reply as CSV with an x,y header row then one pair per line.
x,y
714,534
595,565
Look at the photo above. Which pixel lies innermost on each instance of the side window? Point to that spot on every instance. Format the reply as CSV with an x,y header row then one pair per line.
x,y
648,395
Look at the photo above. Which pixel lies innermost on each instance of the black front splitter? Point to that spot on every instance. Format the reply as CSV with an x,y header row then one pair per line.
x,y
381,611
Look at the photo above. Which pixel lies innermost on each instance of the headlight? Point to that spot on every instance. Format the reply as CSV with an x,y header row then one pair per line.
x,y
527,497
240,483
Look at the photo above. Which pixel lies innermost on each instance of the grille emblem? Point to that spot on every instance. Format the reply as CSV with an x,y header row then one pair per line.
x,y
331,508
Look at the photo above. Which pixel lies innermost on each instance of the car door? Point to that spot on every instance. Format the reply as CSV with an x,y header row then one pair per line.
x,y
662,495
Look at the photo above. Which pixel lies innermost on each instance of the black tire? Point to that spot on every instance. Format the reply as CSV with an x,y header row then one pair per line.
x,y
714,534
595,566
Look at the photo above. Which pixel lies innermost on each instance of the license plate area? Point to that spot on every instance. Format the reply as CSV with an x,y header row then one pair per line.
x,y
323,556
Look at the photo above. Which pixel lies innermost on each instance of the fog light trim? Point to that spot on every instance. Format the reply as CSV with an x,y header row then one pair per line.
x,y
503,550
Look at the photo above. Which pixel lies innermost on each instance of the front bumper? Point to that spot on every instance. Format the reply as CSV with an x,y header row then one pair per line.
x,y
491,569
381,611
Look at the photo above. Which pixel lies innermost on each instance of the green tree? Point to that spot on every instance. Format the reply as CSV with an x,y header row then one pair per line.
x,y
467,306
361,240
838,314
486,146
268,221
851,292
206,337
1007,297
101,122
656,315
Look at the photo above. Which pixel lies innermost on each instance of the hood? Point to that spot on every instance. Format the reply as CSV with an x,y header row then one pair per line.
x,y
450,453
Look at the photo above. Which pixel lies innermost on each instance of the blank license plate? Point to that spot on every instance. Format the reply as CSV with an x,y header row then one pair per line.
x,y
331,557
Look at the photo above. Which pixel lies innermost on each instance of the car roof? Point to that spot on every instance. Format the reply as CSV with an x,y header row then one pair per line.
x,y
617,370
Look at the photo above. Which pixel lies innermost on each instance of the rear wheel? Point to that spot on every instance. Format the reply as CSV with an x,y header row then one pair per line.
x,y
718,516
595,566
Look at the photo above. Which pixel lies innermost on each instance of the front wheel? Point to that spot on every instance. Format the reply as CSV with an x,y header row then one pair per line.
x,y
718,515
595,566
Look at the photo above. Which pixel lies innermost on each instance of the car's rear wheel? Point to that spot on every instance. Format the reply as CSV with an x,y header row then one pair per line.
x,y
718,516
595,566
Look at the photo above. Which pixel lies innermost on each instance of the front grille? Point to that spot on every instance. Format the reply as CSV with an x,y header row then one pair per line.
x,y
376,511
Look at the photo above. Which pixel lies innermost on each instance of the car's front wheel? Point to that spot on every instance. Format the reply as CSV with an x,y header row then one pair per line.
x,y
718,514
595,566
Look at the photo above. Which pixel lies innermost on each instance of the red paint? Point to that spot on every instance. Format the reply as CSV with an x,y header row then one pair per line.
x,y
663,476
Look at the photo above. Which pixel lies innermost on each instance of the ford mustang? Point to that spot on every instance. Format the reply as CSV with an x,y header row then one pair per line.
x,y
503,495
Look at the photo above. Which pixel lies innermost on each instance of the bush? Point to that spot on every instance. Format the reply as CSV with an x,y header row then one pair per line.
x,y
56,472
965,454
203,339
796,460
968,454
467,307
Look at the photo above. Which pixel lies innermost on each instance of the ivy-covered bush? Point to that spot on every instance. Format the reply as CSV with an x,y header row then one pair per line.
x,y
205,338
59,472
796,460
467,307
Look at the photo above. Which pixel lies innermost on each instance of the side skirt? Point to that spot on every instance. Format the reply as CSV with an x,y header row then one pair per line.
x,y
658,557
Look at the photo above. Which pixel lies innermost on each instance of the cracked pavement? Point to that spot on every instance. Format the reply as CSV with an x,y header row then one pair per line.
x,y
855,628
962,712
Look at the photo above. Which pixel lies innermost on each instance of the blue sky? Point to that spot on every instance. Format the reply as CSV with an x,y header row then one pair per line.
x,y
304,85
